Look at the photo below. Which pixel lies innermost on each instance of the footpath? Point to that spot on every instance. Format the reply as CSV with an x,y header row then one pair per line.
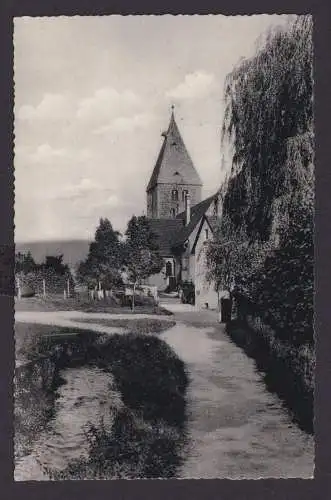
x,y
236,428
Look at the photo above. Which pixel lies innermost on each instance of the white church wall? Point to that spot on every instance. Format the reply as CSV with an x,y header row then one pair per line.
x,y
205,293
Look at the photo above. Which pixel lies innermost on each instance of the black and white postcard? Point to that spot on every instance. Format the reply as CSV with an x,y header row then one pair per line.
x,y
164,261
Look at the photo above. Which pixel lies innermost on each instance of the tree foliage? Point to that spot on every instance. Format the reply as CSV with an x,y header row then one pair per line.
x,y
265,243
142,257
283,290
105,258
54,263
24,263
269,120
231,259
53,271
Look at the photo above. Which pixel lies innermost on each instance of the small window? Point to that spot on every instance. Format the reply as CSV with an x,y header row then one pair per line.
x,y
174,195
185,193
206,234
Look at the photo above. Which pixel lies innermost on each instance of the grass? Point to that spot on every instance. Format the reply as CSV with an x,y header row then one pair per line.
x,y
136,449
148,433
288,370
107,305
135,325
33,341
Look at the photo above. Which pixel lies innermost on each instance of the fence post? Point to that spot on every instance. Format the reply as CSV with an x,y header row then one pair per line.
x,y
19,293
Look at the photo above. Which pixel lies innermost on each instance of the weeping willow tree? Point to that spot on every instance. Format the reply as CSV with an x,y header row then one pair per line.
x,y
269,201
269,121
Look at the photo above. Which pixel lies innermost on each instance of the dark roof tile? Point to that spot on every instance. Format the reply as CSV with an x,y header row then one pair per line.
x,y
173,159
165,229
172,233
197,212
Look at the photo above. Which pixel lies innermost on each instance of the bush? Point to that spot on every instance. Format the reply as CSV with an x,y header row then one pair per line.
x,y
283,290
133,450
149,375
27,291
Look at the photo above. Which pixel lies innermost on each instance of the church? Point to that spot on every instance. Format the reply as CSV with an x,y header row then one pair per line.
x,y
182,221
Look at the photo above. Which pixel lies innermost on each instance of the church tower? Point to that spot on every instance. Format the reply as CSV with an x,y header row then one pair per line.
x,y
174,177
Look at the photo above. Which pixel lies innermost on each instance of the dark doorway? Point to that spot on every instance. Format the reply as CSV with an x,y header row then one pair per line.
x,y
169,269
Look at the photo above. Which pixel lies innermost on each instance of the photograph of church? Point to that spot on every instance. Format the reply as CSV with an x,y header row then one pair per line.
x,y
181,220
164,324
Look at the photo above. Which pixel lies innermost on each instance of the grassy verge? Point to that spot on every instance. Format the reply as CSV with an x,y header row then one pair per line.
x,y
135,325
149,432
107,305
288,371
136,449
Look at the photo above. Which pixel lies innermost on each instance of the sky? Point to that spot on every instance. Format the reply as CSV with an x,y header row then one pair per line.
x,y
92,97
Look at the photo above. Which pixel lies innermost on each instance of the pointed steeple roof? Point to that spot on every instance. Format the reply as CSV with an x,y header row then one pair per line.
x,y
174,161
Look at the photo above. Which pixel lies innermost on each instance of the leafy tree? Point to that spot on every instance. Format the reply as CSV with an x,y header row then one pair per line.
x,y
142,258
54,263
105,258
268,207
231,259
24,263
284,289
269,120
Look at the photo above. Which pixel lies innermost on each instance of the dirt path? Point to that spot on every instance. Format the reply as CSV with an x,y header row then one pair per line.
x,y
237,428
77,319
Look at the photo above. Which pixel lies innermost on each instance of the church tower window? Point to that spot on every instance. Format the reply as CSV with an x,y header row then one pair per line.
x,y
174,195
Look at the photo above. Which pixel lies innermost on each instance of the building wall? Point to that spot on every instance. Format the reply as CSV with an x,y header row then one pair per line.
x,y
160,203
187,259
205,292
152,202
215,208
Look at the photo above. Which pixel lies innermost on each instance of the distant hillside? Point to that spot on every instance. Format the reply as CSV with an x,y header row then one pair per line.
x,y
73,250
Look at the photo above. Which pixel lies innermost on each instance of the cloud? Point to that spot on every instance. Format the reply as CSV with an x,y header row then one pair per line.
x,y
126,124
51,107
195,86
110,201
45,153
107,103
81,189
